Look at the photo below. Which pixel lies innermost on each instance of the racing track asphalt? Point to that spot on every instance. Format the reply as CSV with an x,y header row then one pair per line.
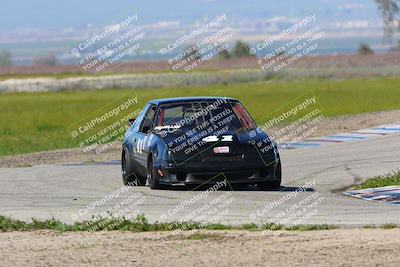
x,y
64,191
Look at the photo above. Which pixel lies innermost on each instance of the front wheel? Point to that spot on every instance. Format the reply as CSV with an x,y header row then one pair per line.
x,y
129,176
276,183
152,176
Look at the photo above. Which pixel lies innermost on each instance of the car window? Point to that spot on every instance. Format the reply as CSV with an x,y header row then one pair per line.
x,y
243,116
148,119
189,114
138,121
170,114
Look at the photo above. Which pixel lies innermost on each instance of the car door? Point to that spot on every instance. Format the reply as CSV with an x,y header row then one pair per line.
x,y
132,136
141,144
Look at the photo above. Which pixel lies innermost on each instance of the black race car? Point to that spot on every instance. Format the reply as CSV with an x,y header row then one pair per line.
x,y
198,140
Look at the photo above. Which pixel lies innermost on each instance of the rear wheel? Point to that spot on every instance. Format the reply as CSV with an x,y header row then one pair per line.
x,y
273,184
152,176
129,176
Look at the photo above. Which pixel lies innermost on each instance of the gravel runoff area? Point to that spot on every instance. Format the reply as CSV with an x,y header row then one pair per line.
x,y
341,247
327,126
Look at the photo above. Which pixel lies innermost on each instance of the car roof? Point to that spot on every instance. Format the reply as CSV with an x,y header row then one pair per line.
x,y
188,99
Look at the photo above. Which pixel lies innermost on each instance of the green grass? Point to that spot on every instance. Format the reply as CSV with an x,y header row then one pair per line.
x,y
297,227
381,181
140,224
312,227
32,122
389,226
383,226
202,236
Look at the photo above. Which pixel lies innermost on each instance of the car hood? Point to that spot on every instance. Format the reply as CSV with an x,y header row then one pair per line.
x,y
183,142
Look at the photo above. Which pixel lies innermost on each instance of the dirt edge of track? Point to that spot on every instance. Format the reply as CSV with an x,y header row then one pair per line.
x,y
341,247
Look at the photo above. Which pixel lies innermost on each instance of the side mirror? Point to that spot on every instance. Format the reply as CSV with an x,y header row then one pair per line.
x,y
131,121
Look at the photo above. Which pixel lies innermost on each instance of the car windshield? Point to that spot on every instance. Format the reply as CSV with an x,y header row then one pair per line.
x,y
197,113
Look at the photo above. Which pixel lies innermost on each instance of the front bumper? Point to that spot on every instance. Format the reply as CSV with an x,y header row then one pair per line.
x,y
243,172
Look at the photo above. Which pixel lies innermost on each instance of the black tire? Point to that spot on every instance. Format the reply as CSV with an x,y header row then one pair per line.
x,y
273,184
129,175
152,176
